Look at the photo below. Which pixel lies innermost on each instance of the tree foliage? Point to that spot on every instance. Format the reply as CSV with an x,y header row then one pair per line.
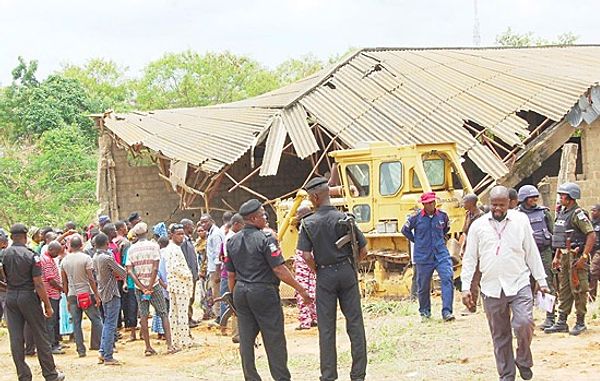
x,y
28,108
295,69
189,79
513,39
105,83
51,182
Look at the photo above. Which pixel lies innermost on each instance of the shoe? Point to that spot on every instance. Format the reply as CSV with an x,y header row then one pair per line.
x,y
60,376
235,340
58,351
449,317
82,354
193,324
550,320
579,326
525,372
467,312
425,318
112,362
559,326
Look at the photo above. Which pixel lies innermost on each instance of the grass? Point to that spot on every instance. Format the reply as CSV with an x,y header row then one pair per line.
x,y
380,308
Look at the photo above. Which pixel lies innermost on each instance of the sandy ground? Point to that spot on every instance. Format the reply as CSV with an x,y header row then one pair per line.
x,y
400,348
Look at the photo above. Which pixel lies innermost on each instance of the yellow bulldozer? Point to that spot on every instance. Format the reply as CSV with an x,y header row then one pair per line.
x,y
380,185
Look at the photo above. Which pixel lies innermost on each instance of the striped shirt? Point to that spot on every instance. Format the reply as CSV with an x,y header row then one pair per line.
x,y
141,257
106,271
50,272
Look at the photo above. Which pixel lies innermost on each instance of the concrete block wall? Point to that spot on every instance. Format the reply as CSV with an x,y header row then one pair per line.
x,y
589,180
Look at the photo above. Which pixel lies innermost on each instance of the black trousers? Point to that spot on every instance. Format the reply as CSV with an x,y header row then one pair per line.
x,y
130,308
29,341
259,310
340,283
51,323
25,307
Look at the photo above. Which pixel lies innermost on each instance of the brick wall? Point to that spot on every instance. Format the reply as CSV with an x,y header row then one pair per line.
x,y
589,180
140,188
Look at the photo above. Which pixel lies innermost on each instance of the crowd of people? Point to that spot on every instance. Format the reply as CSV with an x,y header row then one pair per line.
x,y
113,272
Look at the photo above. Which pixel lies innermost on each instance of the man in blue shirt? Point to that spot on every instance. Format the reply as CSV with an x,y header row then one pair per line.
x,y
427,229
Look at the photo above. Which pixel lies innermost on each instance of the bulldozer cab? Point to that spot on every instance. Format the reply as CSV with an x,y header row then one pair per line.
x,y
382,183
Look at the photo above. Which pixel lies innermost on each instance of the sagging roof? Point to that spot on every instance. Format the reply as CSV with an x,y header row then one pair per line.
x,y
398,95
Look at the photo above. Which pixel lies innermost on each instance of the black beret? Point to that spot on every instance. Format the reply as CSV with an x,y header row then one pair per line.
x,y
315,182
249,207
133,216
18,229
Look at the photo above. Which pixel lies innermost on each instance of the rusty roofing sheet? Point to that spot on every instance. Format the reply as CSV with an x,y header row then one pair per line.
x,y
392,94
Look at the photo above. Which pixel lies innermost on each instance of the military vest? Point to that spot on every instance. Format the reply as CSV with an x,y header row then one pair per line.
x,y
537,219
562,225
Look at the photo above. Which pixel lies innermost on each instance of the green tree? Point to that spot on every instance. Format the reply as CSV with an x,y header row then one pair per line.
x,y
513,39
29,107
49,183
105,82
189,79
295,69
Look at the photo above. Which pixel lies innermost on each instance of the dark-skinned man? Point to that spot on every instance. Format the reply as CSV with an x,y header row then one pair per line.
x,y
53,285
3,245
428,229
191,258
595,262
472,213
25,290
542,225
571,224
502,242
336,280
255,267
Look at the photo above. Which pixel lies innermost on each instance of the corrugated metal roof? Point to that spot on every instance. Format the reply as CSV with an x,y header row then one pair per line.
x,y
398,95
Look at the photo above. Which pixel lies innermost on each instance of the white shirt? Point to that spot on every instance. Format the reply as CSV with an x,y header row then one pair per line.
x,y
506,252
214,245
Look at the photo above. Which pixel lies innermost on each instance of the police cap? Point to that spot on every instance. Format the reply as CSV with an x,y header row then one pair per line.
x,y
18,229
249,207
315,182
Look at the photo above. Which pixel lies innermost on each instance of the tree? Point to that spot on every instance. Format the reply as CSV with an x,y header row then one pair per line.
x,y
295,69
51,182
29,108
512,39
105,82
189,79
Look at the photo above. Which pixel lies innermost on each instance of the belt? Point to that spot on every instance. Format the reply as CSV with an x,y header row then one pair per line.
x,y
335,265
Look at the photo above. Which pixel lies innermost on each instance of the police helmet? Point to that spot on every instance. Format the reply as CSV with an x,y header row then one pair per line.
x,y
527,191
570,189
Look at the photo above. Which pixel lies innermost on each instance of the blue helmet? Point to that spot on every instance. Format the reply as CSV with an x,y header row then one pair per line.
x,y
527,191
570,189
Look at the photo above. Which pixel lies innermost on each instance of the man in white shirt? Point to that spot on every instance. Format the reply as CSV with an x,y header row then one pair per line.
x,y
502,241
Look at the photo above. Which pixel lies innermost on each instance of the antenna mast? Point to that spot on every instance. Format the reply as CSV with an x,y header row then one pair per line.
x,y
476,35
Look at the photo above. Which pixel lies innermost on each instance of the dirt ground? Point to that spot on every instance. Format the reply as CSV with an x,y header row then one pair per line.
x,y
400,348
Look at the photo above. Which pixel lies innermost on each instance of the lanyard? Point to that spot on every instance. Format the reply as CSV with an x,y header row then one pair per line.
x,y
499,234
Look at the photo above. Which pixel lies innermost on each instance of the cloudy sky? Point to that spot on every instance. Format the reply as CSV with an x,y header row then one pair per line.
x,y
134,32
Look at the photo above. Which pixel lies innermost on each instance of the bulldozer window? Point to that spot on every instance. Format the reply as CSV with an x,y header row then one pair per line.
x,y
390,178
358,179
435,169
362,213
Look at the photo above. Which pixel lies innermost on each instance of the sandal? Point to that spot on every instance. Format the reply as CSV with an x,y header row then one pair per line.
x,y
149,352
173,351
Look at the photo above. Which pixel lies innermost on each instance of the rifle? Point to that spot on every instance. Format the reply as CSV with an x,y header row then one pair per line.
x,y
226,298
350,237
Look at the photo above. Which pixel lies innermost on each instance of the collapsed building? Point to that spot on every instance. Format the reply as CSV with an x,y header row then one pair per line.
x,y
509,110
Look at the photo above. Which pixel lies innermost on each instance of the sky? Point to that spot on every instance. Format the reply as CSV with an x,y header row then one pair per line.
x,y
135,32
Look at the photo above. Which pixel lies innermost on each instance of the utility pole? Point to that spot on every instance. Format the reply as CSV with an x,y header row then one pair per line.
x,y
476,34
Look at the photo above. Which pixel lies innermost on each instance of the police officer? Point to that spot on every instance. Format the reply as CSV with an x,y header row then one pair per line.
x,y
571,222
542,226
595,262
428,229
255,266
336,280
25,289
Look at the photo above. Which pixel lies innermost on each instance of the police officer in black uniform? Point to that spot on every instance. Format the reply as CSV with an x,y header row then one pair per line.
x,y
25,292
336,280
255,266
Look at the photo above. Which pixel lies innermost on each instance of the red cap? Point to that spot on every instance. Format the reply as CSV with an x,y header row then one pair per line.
x,y
427,197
